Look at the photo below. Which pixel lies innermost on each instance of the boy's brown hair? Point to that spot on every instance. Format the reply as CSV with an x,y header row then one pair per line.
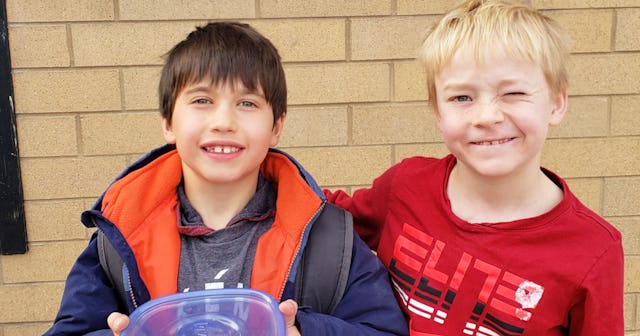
x,y
226,52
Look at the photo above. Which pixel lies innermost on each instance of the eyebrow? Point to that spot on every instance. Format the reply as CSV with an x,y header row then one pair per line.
x,y
243,90
456,86
196,89
466,86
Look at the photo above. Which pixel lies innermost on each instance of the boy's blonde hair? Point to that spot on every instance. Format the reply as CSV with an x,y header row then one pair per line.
x,y
484,25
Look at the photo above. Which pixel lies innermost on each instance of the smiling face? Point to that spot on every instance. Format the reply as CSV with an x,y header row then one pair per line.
x,y
222,132
494,114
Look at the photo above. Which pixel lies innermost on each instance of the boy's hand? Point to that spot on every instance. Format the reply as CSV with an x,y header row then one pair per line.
x,y
288,309
117,322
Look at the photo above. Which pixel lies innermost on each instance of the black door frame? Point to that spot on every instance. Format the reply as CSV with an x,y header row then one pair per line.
x,y
13,233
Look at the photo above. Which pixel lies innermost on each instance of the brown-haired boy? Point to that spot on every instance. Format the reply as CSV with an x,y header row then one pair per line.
x,y
217,207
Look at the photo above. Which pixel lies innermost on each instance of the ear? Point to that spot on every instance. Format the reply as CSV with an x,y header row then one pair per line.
x,y
167,132
559,108
276,132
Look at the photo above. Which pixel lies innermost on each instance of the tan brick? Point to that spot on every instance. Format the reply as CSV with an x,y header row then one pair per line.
x,y
38,46
592,37
637,319
628,25
63,91
29,329
131,158
57,178
630,301
388,37
32,302
584,3
140,87
59,10
47,136
186,10
625,112
340,166
592,157
306,40
320,8
315,126
389,124
43,262
630,229
604,74
409,81
631,274
120,133
622,196
54,220
337,83
129,43
586,117
436,150
589,191
412,7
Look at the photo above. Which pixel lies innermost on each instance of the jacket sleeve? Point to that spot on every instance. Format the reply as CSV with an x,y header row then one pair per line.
x,y
598,308
88,298
368,206
368,306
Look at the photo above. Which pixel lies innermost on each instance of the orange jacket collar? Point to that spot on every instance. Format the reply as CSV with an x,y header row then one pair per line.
x,y
144,207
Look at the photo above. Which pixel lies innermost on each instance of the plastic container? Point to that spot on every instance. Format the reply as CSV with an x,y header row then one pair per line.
x,y
218,312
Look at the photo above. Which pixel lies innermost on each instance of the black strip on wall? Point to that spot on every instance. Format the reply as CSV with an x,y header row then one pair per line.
x,y
13,233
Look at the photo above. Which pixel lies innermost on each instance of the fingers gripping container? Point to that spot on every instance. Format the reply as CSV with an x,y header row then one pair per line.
x,y
218,312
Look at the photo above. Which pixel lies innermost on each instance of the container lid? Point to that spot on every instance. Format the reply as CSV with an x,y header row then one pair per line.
x,y
219,312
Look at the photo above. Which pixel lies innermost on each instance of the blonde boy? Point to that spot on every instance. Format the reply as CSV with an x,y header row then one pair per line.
x,y
484,241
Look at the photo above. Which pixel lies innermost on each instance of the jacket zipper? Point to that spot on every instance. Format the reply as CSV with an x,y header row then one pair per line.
x,y
298,248
129,283
133,298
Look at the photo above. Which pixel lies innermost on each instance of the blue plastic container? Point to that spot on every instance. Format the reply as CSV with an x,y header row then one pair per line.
x,y
218,312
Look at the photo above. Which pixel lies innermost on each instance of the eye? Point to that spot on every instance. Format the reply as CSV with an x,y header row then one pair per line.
x,y
201,101
246,103
461,99
515,93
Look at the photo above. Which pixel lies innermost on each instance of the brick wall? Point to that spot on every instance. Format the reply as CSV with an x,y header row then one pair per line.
x,y
85,75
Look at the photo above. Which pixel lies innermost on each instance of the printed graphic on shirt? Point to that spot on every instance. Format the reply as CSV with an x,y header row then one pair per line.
x,y
219,283
428,276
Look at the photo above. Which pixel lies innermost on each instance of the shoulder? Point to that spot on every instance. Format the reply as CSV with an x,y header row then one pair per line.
x,y
585,219
426,161
594,223
418,165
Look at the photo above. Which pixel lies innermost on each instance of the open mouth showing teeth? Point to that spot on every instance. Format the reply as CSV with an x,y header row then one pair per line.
x,y
222,149
493,142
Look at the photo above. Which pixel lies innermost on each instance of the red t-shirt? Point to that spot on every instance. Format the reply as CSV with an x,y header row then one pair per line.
x,y
560,273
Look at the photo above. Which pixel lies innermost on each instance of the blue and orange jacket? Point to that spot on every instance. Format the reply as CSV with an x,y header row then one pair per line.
x,y
138,214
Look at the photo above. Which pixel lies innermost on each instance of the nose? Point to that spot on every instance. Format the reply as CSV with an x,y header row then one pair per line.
x,y
223,118
486,113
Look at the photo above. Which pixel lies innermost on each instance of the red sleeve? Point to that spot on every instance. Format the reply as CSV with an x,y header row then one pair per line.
x,y
598,311
368,207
